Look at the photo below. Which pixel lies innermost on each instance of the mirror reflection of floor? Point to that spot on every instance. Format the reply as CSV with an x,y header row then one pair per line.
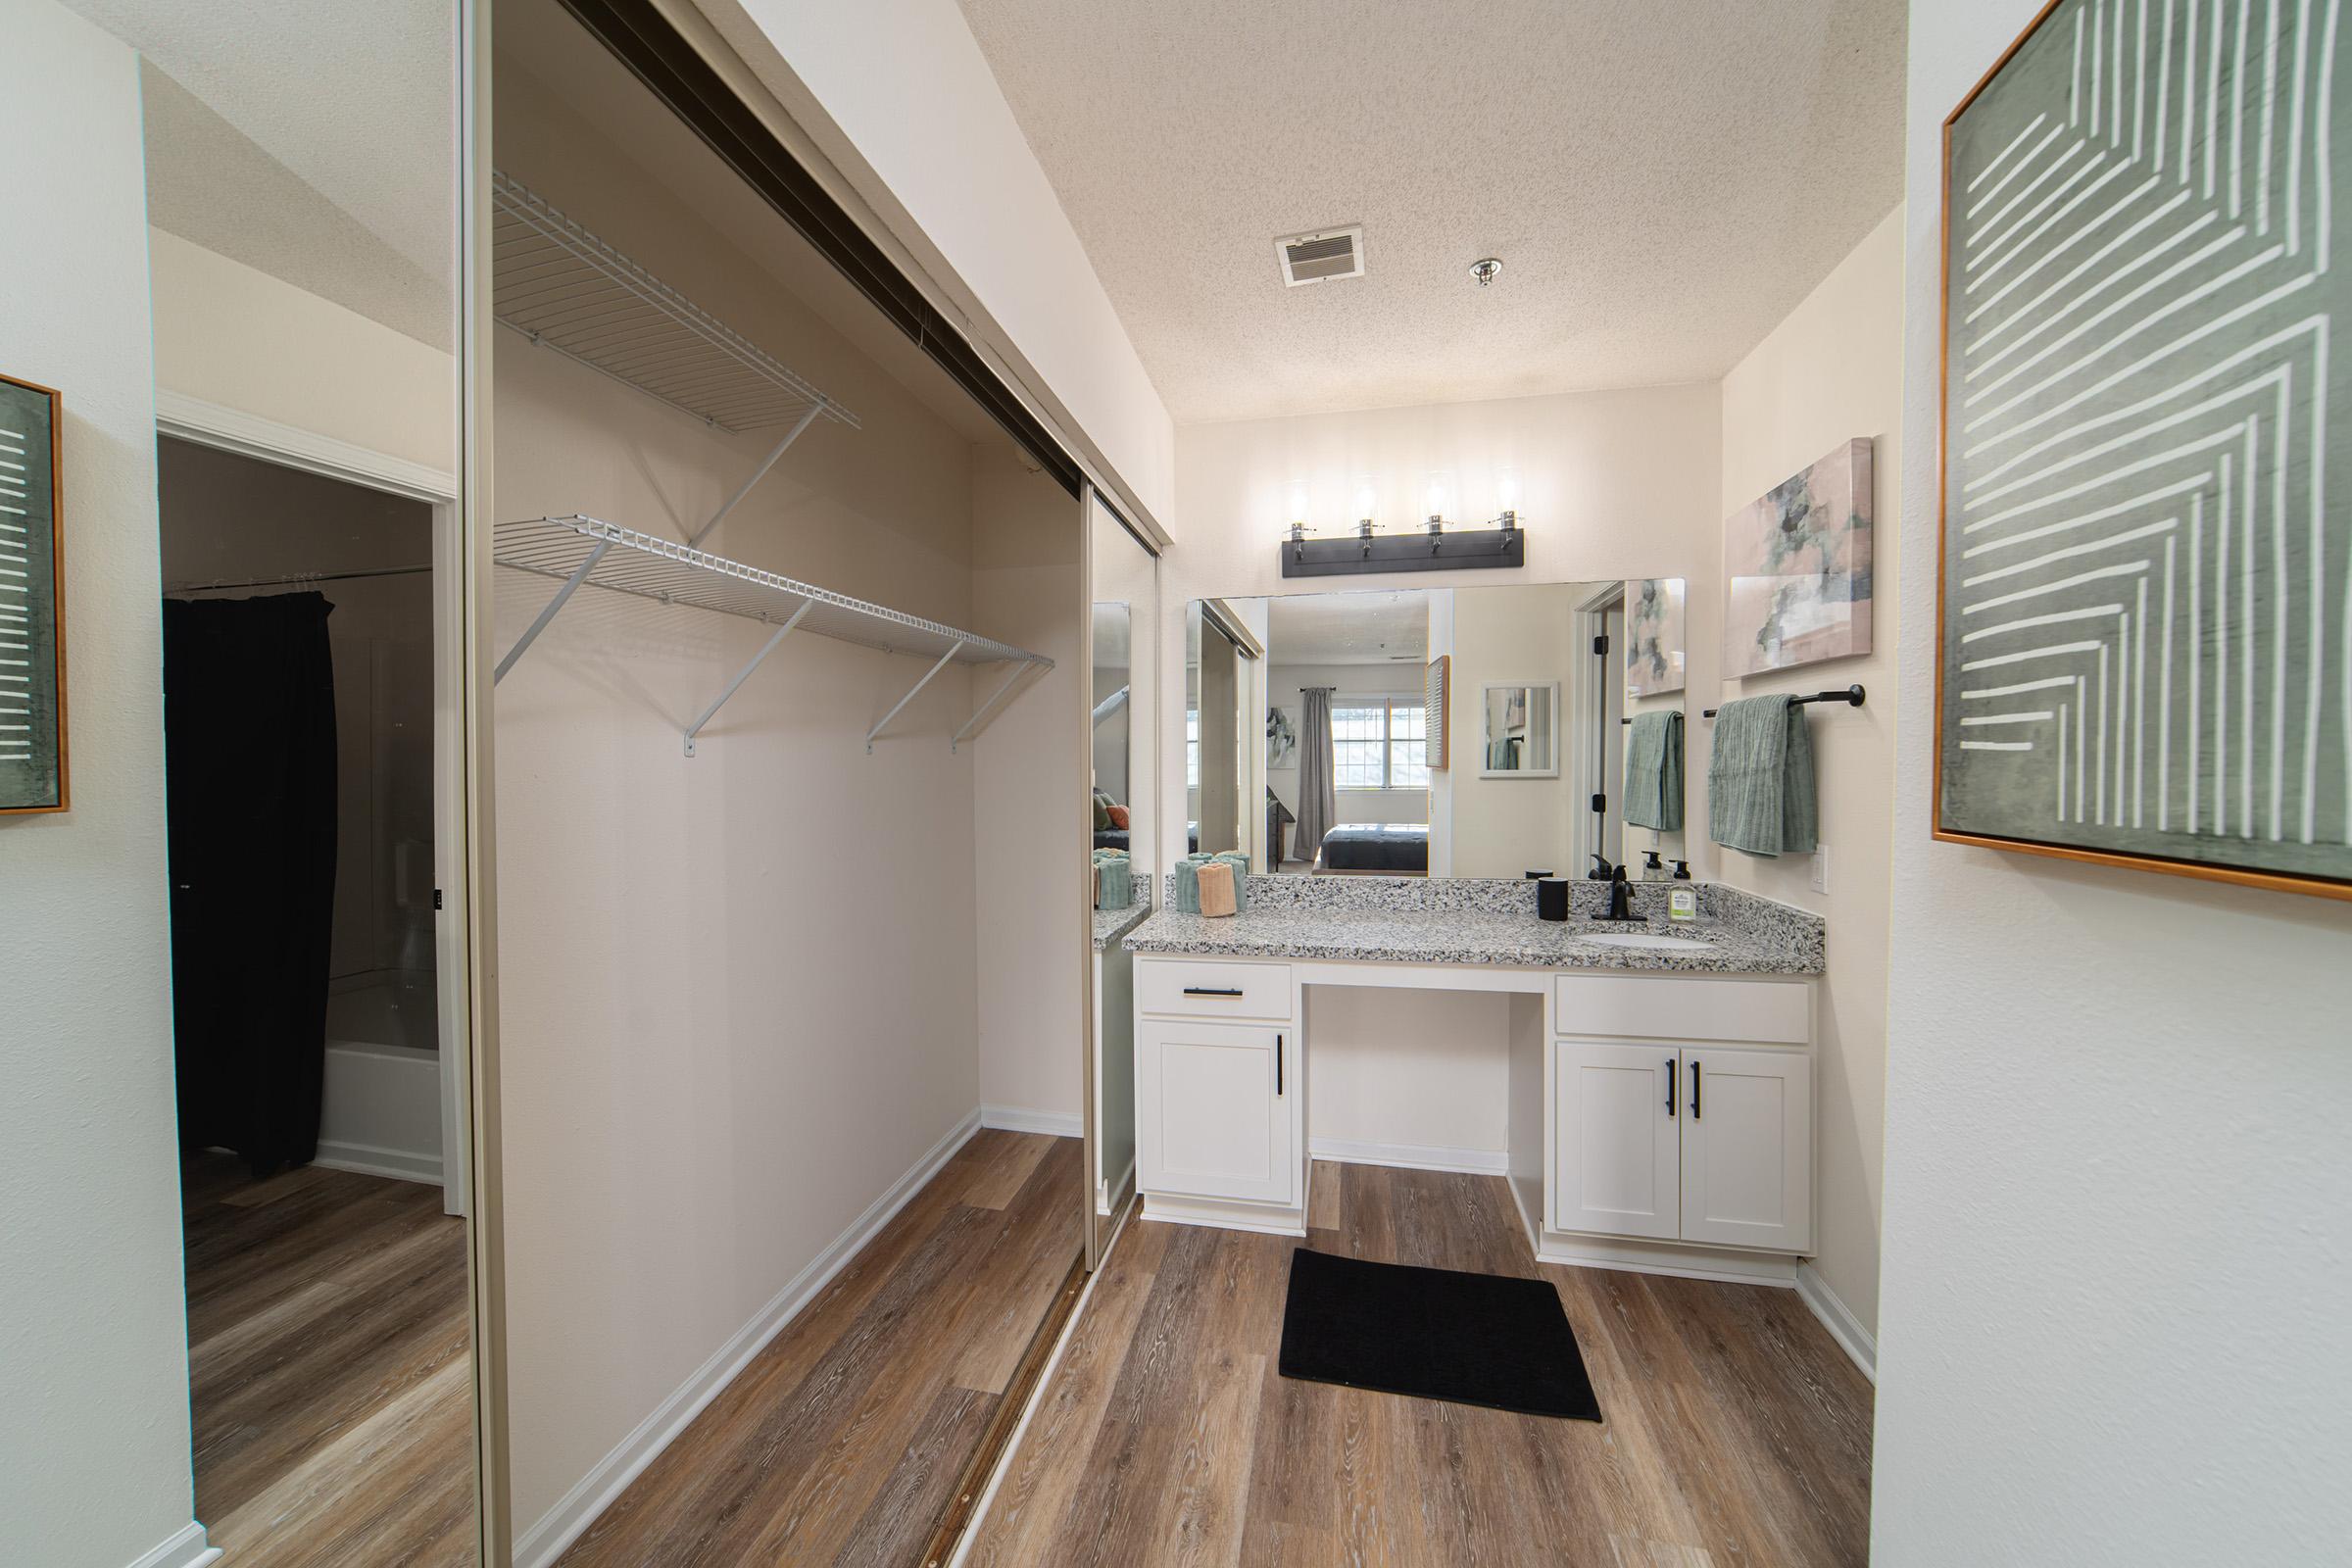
x,y
330,1383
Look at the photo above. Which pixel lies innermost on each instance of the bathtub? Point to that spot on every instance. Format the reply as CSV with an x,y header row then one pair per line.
x,y
380,1111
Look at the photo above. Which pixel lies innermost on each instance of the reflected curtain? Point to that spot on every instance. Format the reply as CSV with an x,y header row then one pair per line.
x,y
249,757
1318,806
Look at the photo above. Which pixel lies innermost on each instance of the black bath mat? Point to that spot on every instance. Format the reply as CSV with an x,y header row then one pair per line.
x,y
1434,1333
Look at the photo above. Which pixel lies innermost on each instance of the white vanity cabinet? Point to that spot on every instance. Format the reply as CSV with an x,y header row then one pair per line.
x,y
1670,1139
1217,1097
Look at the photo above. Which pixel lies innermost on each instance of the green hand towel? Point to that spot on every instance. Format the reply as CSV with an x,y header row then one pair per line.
x,y
1653,771
1188,883
1241,879
1760,779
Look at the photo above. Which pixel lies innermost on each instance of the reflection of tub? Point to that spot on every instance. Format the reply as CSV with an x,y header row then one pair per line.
x,y
381,1113
384,1008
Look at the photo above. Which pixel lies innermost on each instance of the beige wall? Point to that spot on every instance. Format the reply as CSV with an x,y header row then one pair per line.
x,y
229,335
2116,1263
1507,826
737,990
1832,371
1028,782
93,1334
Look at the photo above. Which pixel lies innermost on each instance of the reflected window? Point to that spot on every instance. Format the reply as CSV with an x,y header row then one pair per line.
x,y
1379,743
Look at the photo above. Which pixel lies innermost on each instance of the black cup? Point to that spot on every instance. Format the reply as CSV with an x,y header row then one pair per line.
x,y
1551,898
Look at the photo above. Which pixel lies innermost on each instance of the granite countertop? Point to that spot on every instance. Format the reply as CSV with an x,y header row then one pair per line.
x,y
1747,946
1113,924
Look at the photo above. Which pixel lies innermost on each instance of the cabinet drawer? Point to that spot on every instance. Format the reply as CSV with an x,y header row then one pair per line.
x,y
1196,987
1664,1007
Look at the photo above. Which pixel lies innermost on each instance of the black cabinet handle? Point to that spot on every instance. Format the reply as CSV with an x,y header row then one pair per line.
x,y
1670,1086
1212,991
1695,1116
1278,1066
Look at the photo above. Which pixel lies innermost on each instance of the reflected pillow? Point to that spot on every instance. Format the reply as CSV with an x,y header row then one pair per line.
x,y
1118,817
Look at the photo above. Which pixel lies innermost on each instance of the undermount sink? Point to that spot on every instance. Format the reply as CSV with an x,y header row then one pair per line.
x,y
1643,940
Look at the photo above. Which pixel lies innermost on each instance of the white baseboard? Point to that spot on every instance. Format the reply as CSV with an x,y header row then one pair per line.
x,y
1411,1156
1267,1219
1852,1337
184,1548
401,1164
1113,1196
1021,1119
610,1476
1729,1266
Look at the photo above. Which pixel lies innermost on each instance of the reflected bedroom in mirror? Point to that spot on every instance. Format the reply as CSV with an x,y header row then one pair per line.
x,y
1447,732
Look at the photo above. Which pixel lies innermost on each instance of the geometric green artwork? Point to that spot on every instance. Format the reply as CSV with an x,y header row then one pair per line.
x,y
32,675
2145,617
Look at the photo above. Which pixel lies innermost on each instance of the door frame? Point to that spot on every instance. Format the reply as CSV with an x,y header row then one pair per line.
x,y
225,430
1593,690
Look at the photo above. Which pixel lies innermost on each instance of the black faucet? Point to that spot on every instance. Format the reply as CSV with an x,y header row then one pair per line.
x,y
1601,870
1621,899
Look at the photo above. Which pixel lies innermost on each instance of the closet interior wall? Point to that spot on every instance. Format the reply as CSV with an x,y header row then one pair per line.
x,y
740,992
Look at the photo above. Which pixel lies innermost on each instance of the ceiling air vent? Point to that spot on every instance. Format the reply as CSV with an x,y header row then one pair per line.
x,y
1322,256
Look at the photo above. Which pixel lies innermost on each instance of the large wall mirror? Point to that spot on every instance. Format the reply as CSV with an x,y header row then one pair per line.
x,y
1223,680
1530,776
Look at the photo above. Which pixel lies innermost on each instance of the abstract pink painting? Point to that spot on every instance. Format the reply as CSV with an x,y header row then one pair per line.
x,y
1797,569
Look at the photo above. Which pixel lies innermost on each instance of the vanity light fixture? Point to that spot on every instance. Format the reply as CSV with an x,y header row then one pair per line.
x,y
1499,542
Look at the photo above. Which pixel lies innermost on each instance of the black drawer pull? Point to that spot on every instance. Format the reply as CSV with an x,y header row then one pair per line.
x,y
1670,1087
1278,1066
1212,991
1695,1116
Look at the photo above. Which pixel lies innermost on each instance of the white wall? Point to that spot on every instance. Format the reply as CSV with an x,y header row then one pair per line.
x,y
230,336
736,990
1028,781
1832,371
93,1334
900,96
2117,1262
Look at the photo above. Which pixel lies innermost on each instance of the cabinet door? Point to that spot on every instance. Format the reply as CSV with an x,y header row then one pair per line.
x,y
1213,1105
1747,1147
1614,1162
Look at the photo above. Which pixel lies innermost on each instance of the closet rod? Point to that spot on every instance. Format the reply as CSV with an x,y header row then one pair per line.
x,y
292,578
1851,697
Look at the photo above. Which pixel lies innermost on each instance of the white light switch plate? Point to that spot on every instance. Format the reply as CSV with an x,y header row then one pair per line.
x,y
1821,869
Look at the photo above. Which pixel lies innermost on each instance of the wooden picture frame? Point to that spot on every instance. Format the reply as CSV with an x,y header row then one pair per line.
x,y
2115,133
36,777
1435,710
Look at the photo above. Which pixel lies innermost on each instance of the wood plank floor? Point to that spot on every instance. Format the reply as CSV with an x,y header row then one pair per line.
x,y
1736,1432
329,1379
844,1438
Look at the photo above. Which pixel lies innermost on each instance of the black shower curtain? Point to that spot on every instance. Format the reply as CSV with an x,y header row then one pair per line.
x,y
249,752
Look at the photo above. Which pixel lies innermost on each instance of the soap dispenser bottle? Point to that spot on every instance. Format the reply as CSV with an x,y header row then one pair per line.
x,y
1653,870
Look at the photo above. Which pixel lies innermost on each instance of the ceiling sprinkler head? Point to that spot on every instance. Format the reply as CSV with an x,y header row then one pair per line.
x,y
1486,271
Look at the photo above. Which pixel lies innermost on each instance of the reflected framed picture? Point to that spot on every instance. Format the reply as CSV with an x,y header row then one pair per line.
x,y
2144,596
1655,631
34,774
1797,569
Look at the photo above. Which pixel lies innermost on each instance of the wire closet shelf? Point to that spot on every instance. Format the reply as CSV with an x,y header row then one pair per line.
x,y
563,288
578,551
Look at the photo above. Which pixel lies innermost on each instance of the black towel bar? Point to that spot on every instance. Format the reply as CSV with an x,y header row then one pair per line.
x,y
1851,697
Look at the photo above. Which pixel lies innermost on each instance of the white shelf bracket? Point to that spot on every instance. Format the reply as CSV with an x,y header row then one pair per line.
x,y
944,659
579,576
986,712
761,473
745,673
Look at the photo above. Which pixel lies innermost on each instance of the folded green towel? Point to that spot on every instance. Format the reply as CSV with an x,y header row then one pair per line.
x,y
1653,771
1760,779
1188,883
1114,881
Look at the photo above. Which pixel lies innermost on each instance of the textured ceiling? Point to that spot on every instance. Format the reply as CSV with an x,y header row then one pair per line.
x,y
313,139
1347,628
1662,183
